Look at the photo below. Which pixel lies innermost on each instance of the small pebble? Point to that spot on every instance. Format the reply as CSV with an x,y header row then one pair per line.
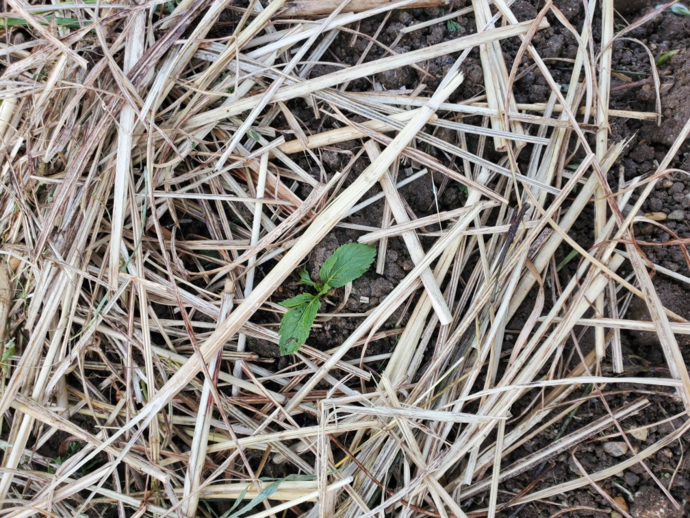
x,y
615,514
651,503
615,449
667,183
655,216
631,479
620,501
677,187
641,434
404,17
677,215
14,263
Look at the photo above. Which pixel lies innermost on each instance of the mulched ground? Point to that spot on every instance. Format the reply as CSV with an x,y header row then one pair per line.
x,y
632,89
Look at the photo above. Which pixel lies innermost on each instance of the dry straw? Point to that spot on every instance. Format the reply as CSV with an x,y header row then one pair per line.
x,y
166,173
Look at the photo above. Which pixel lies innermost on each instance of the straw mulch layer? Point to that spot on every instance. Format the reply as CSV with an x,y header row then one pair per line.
x,y
517,348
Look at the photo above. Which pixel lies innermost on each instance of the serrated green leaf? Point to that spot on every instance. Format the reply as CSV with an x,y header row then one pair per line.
x,y
300,300
666,56
296,325
304,278
347,263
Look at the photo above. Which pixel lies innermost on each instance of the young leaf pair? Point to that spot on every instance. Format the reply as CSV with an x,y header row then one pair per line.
x,y
346,264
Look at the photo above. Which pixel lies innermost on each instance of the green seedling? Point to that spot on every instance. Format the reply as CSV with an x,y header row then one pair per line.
x,y
6,355
679,9
572,255
453,26
54,464
666,56
347,263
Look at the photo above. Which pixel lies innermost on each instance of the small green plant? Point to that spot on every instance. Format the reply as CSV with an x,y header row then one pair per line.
x,y
54,464
572,255
453,26
666,56
679,9
6,355
346,264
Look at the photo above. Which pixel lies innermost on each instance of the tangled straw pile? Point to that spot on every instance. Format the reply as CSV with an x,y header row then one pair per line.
x,y
152,204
